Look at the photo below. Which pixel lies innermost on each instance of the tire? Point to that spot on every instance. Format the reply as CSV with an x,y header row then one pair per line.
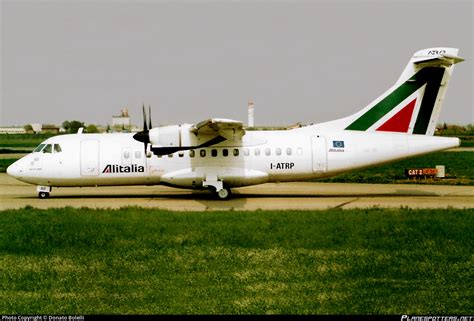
x,y
43,195
223,194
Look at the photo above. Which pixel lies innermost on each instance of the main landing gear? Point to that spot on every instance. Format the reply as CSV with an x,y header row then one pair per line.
x,y
223,194
217,188
43,191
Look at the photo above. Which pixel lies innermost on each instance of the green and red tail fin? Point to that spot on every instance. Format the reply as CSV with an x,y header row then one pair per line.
x,y
414,103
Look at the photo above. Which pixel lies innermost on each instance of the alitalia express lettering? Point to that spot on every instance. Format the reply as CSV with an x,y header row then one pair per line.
x,y
123,169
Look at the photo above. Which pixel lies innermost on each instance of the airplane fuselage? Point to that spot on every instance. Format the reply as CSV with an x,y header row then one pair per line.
x,y
259,157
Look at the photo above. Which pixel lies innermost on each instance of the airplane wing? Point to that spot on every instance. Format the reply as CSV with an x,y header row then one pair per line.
x,y
227,128
209,132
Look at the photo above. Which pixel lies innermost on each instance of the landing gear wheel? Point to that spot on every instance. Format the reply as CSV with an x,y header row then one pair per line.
x,y
43,195
223,193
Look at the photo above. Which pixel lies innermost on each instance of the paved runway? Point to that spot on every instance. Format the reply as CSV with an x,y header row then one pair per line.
x,y
274,196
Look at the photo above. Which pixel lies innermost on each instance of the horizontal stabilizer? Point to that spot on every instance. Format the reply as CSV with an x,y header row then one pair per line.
x,y
437,57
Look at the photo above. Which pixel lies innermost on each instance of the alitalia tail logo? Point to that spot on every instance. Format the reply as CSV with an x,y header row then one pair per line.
x,y
429,76
123,169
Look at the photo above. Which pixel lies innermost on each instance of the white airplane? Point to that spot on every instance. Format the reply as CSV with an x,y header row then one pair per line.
x,y
219,154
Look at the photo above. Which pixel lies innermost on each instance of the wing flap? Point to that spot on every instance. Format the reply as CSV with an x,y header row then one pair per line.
x,y
228,128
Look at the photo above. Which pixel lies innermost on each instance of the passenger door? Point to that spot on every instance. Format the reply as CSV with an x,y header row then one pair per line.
x,y
319,154
90,158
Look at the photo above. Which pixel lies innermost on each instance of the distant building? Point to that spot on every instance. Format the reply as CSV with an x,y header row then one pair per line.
x,y
123,120
12,130
36,127
50,129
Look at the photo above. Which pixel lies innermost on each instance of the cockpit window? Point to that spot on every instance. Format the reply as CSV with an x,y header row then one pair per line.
x,y
39,148
48,149
57,148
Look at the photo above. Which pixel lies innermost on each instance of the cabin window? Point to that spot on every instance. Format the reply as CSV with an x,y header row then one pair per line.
x,y
138,154
236,152
192,153
57,148
278,151
126,154
39,148
170,155
267,151
225,152
246,152
257,152
288,151
202,152
181,154
214,152
299,151
48,149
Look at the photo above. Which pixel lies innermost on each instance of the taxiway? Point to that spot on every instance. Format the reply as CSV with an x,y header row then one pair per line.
x,y
275,196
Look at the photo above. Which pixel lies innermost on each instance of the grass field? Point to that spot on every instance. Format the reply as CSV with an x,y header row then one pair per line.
x,y
459,168
5,162
84,261
467,141
23,140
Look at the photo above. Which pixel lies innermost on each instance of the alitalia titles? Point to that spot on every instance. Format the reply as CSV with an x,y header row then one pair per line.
x,y
124,169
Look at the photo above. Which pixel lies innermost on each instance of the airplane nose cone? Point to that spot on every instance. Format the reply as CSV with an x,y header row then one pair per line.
x,y
13,170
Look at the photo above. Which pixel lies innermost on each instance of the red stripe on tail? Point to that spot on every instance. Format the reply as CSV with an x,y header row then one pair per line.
x,y
400,121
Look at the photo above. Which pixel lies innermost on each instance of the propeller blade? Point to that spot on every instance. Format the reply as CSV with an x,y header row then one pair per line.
x,y
144,136
149,119
145,129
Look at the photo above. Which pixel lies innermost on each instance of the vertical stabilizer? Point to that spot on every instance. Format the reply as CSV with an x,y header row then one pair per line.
x,y
413,104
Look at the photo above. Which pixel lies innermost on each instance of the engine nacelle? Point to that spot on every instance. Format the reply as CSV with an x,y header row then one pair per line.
x,y
233,177
172,136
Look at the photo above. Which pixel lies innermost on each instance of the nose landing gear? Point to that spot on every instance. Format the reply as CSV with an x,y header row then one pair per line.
x,y
43,195
43,191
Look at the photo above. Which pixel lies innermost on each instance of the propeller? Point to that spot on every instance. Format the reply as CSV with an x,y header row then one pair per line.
x,y
144,135
150,126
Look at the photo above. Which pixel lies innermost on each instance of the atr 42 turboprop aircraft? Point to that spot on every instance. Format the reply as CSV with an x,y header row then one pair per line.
x,y
219,154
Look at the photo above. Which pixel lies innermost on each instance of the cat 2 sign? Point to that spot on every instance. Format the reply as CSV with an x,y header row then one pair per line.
x,y
420,172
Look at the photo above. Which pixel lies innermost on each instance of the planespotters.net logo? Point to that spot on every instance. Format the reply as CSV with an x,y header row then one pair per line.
x,y
437,318
123,169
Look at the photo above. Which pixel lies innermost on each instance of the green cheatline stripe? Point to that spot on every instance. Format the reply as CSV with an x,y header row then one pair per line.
x,y
387,104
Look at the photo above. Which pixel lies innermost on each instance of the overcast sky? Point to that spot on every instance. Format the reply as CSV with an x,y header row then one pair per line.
x,y
299,61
